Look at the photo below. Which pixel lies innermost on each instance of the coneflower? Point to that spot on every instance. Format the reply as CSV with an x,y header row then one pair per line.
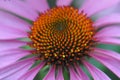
x,y
62,38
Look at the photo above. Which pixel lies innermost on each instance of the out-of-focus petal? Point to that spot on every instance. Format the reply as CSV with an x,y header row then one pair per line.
x,y
8,57
114,41
60,74
82,75
40,5
73,74
93,6
63,2
14,71
51,74
107,20
13,22
112,31
32,73
10,44
11,33
110,62
108,53
19,7
95,72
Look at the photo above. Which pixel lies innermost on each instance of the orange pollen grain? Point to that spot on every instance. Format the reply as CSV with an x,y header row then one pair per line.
x,y
62,35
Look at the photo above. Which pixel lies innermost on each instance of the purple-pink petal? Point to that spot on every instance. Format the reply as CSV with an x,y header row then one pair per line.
x,y
8,57
11,21
110,62
20,8
40,5
112,31
95,72
90,8
11,44
114,41
7,32
14,71
81,73
51,74
32,73
110,53
16,75
73,74
63,2
60,74
107,20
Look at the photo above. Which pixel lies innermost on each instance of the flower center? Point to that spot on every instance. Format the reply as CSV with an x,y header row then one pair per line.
x,y
62,36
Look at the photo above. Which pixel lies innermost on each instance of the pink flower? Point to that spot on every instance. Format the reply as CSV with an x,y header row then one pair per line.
x,y
60,37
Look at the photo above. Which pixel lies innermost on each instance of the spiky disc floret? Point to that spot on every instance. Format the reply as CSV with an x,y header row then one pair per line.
x,y
61,36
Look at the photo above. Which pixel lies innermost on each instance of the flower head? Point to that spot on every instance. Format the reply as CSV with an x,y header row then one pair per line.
x,y
62,38
62,35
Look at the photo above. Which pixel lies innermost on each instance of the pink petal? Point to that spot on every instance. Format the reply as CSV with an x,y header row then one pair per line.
x,y
51,74
16,75
73,74
107,20
60,74
8,57
20,8
10,44
91,9
64,2
40,5
110,62
11,33
112,31
114,41
13,22
32,73
12,51
81,73
95,72
108,53
14,71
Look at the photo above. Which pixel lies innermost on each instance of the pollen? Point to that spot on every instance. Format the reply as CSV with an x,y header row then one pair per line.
x,y
62,36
